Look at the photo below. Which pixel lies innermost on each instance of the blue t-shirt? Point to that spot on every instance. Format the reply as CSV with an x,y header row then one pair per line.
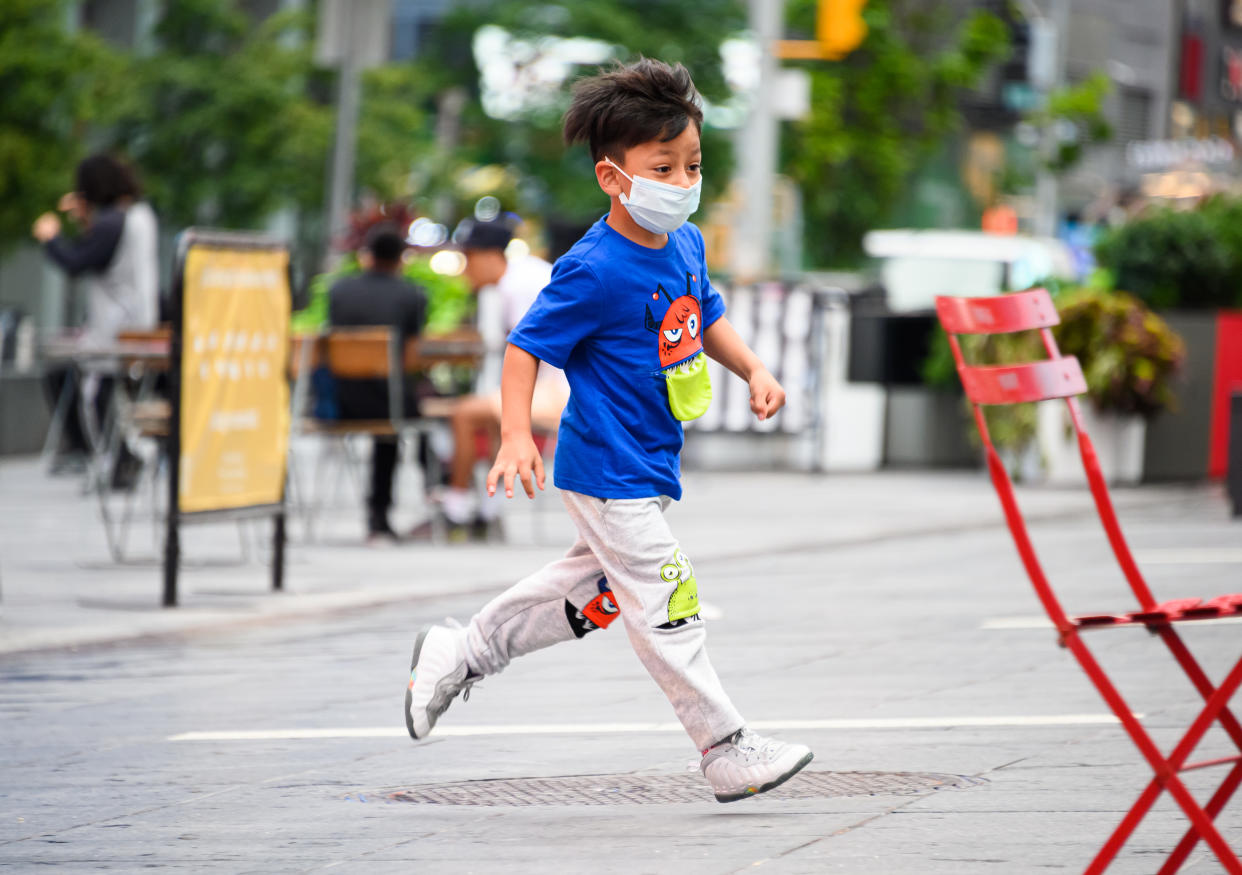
x,y
615,316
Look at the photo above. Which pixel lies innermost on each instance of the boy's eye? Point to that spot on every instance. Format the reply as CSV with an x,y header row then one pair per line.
x,y
696,168
663,168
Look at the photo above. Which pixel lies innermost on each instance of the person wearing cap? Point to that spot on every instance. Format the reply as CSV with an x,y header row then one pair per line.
x,y
517,279
378,296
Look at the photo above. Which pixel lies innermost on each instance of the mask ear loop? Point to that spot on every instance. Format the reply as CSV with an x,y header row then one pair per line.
x,y
618,169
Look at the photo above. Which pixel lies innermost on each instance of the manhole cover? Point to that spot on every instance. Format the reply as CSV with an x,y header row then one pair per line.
x,y
670,789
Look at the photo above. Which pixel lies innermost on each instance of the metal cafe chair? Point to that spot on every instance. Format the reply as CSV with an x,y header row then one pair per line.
x,y
1061,377
366,353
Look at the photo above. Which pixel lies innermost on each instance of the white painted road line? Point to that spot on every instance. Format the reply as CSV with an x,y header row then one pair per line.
x,y
1032,622
1189,556
1035,622
961,722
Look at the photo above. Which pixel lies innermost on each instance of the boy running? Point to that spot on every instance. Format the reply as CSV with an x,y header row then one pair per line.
x,y
628,315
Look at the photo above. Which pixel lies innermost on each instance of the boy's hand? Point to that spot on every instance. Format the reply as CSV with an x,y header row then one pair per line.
x,y
766,394
518,458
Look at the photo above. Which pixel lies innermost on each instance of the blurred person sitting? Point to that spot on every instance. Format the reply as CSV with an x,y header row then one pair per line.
x,y
517,281
116,258
378,296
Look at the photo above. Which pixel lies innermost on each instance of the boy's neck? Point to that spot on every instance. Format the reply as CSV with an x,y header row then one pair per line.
x,y
620,220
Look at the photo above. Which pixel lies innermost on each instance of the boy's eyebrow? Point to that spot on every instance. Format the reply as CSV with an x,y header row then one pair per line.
x,y
696,153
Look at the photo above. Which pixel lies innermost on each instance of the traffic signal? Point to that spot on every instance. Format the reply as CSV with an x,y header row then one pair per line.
x,y
840,27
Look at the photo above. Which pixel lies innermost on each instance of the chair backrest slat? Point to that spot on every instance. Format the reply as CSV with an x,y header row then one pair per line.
x,y
1014,384
361,354
1002,314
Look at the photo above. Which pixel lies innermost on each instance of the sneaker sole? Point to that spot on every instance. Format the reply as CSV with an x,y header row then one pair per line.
x,y
409,697
755,791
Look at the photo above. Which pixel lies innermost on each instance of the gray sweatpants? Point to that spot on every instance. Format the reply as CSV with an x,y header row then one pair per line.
x,y
625,557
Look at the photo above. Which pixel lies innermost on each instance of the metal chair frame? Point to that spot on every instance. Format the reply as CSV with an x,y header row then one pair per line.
x,y
1061,377
362,352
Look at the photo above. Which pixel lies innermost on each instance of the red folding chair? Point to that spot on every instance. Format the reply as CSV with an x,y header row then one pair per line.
x,y
1061,377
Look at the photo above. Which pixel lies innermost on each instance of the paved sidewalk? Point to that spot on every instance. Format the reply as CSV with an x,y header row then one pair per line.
x,y
882,619
59,587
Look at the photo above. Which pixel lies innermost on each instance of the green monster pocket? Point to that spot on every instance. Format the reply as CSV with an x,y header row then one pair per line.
x,y
684,602
689,388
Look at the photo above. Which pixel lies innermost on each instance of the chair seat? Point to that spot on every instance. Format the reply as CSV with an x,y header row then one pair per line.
x,y
382,427
152,418
1174,611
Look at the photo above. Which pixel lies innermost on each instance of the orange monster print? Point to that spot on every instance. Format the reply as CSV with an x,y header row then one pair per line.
x,y
679,335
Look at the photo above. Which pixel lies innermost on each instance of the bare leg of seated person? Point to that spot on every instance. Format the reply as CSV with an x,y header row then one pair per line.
x,y
473,414
459,503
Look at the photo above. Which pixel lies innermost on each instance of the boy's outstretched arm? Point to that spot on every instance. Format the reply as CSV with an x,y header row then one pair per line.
x,y
721,342
518,456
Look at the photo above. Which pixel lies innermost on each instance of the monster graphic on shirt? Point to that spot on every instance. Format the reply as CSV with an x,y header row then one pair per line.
x,y
679,335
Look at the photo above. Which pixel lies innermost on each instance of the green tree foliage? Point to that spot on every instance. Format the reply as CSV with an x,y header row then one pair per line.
x,y
53,85
1079,110
219,119
394,130
879,112
550,178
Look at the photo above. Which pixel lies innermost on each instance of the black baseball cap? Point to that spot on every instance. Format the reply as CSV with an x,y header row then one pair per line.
x,y
474,234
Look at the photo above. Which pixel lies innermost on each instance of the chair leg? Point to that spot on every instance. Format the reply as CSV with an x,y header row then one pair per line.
x,y
1201,821
1202,824
56,428
1128,823
1166,769
1214,807
1201,681
294,504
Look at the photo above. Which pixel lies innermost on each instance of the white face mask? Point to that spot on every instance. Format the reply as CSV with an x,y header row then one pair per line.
x,y
658,206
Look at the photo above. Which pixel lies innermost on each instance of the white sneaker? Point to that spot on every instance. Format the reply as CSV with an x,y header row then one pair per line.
x,y
438,672
747,763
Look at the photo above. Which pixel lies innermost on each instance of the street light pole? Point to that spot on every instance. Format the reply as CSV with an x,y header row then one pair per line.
x,y
756,152
351,36
341,179
1055,29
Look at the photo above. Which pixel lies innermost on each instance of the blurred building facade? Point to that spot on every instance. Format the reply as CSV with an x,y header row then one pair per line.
x,y
1174,105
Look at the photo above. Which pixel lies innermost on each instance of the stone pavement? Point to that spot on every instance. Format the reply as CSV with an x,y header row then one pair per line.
x,y
59,586
883,619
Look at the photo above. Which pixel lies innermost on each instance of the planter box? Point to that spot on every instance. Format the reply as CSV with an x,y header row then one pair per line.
x,y
1191,442
1119,443
927,428
24,414
1178,440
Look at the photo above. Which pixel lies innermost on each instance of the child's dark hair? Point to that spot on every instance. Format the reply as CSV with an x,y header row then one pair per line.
x,y
648,100
103,180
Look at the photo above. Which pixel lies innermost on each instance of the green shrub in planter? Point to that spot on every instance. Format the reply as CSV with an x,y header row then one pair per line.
x,y
1225,216
1178,258
1128,354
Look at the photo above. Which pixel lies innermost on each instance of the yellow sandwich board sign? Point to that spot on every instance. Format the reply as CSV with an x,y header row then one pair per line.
x,y
234,394
229,435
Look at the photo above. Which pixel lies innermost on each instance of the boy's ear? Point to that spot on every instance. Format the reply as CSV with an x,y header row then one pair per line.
x,y
610,180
